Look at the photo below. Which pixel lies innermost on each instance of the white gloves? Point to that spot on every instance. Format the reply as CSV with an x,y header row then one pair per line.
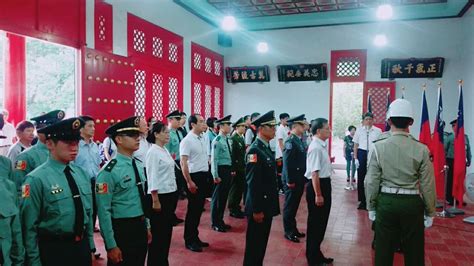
x,y
356,162
372,216
428,221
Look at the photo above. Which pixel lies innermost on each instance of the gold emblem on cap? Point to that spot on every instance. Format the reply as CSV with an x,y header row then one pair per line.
x,y
76,124
137,121
61,115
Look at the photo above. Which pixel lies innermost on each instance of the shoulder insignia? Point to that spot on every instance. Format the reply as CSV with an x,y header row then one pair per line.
x,y
20,165
101,188
25,191
288,145
110,165
252,158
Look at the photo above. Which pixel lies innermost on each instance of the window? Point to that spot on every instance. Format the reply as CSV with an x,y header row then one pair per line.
x,y
50,78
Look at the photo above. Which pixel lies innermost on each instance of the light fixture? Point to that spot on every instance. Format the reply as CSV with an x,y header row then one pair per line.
x,y
384,12
229,23
380,40
262,47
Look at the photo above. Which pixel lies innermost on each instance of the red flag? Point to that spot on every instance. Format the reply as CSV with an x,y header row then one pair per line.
x,y
459,171
437,148
425,131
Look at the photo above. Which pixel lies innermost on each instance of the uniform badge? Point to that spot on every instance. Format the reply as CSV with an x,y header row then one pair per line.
x,y
76,124
20,165
56,189
252,158
25,191
288,146
101,188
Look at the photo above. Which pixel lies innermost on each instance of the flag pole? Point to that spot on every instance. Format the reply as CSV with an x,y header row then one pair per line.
x,y
454,210
443,203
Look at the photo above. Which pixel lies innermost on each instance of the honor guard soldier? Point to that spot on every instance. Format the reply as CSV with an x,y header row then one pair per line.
x,y
35,156
221,170
449,151
6,170
237,186
399,170
294,168
261,203
121,203
11,243
56,211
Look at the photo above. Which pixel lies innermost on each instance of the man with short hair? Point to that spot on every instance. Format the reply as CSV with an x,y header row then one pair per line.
x,y
294,168
25,132
121,201
318,191
221,170
57,203
195,167
281,135
261,203
363,143
251,132
399,171
88,158
182,127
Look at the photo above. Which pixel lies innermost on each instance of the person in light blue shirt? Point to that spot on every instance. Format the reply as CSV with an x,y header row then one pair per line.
x,y
88,158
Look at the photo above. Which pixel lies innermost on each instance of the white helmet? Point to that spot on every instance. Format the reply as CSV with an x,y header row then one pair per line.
x,y
400,108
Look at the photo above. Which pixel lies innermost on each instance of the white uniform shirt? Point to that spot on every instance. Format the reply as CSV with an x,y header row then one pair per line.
x,y
110,146
160,170
140,154
318,159
281,133
195,147
14,151
365,138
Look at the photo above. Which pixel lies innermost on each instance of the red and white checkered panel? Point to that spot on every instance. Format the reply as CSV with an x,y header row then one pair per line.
x,y
348,65
157,47
217,102
378,97
102,29
217,68
103,26
208,101
173,53
208,64
173,94
157,100
139,41
197,98
197,61
140,92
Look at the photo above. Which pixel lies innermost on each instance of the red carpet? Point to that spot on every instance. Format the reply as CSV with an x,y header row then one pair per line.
x,y
348,238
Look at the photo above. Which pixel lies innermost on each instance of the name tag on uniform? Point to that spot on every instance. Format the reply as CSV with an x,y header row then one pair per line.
x,y
126,179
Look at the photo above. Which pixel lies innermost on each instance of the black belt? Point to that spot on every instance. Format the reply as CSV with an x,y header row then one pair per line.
x,y
132,219
59,238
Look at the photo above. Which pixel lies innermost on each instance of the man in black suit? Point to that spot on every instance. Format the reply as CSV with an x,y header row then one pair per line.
x,y
261,203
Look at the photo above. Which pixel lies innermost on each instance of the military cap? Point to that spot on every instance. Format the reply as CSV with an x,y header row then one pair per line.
x,y
254,116
240,122
224,120
368,114
297,119
174,114
68,129
267,119
47,119
454,121
129,125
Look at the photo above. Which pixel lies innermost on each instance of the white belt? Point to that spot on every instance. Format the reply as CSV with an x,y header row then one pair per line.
x,y
404,191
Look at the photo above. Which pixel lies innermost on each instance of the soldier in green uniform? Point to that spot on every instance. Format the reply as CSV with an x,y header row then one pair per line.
x,y
399,170
56,212
35,156
176,135
238,167
221,170
121,202
449,151
261,203
294,168
11,243
6,169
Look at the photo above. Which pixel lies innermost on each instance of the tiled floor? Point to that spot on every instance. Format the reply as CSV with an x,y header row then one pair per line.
x,y
348,238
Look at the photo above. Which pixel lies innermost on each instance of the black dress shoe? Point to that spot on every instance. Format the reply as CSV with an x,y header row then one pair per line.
x,y
219,228
203,244
177,221
238,215
299,234
194,247
362,207
292,238
328,260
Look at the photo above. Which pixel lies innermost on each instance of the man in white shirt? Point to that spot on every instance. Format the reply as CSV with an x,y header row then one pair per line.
x,y
140,154
7,130
25,132
281,135
251,132
363,143
318,191
195,167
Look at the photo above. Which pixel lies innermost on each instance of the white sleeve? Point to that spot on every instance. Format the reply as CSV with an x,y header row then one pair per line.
x,y
280,133
154,170
184,148
356,137
314,160
248,137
